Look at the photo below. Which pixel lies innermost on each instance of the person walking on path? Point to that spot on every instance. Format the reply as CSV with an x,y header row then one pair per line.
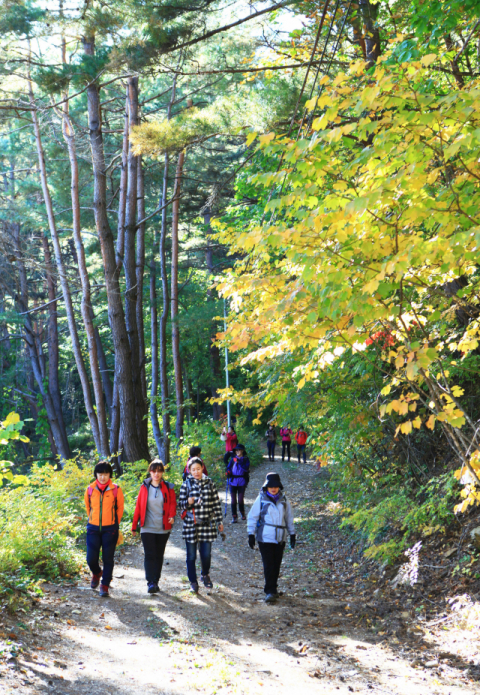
x,y
238,475
201,515
155,511
195,452
231,441
104,504
286,435
301,439
271,520
271,436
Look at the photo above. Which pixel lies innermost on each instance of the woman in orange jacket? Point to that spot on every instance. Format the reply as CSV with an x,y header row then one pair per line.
x,y
104,504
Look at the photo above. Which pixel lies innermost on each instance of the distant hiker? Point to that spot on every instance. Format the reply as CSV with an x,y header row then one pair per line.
x,y
201,515
195,452
104,504
231,441
271,436
301,439
286,435
271,519
238,475
155,510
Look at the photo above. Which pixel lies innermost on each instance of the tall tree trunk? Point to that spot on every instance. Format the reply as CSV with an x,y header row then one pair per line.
x,y
140,269
369,13
154,348
135,449
129,265
100,441
164,390
86,307
122,195
214,352
59,435
177,365
53,354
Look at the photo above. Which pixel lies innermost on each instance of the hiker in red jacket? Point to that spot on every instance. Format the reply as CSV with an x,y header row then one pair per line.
x,y
155,510
301,439
286,435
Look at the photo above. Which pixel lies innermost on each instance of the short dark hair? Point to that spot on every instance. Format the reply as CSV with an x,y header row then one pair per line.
x,y
195,460
103,467
156,465
195,451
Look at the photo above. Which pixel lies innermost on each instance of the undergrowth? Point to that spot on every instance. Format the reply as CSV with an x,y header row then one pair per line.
x,y
390,512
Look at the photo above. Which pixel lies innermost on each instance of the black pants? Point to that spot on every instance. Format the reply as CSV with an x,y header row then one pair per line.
x,y
272,554
106,541
286,447
240,489
154,545
271,450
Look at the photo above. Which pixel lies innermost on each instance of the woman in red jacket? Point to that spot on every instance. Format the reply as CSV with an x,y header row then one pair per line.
x,y
155,509
231,441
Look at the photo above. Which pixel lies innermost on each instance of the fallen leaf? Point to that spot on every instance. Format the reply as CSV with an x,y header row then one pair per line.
x,y
70,622
107,627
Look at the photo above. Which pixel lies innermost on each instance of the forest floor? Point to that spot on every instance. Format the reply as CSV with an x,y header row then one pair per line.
x,y
332,631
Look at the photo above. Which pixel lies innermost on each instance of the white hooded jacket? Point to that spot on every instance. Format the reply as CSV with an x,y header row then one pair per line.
x,y
271,521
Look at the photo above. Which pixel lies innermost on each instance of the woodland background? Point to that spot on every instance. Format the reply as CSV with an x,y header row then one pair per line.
x,y
309,168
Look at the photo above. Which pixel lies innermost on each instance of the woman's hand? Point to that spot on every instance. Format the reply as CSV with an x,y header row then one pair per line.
x,y
171,520
220,528
191,500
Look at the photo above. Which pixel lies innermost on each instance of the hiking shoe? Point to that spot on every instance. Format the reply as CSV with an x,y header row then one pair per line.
x,y
95,581
104,590
153,589
194,587
244,518
271,598
207,582
234,520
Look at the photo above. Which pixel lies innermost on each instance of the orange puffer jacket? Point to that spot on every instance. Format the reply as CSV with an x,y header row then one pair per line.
x,y
104,508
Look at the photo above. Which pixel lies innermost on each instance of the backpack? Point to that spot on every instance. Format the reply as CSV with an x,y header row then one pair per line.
x,y
301,438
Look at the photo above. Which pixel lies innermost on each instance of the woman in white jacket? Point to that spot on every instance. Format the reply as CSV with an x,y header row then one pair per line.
x,y
271,520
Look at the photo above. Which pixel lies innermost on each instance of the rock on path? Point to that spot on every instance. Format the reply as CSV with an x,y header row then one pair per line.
x,y
223,641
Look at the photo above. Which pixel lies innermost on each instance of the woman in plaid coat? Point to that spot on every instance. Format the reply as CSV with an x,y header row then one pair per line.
x,y
201,515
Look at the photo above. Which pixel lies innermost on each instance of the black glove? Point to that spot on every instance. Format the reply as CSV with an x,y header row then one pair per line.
x,y
293,540
251,541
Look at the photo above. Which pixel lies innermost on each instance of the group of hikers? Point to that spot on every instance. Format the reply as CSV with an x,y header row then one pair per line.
x,y
286,434
269,522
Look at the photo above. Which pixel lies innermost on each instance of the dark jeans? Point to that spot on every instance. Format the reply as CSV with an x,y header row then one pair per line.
x,y
205,550
272,554
240,490
286,447
301,449
106,541
154,545
227,457
271,450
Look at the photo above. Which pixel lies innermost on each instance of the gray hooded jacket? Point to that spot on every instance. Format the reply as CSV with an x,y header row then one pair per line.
x,y
271,521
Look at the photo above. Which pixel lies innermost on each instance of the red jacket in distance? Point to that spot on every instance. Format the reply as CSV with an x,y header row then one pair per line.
x,y
169,504
231,442
301,437
286,434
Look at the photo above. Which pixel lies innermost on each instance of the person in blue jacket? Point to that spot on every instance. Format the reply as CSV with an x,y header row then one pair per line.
x,y
271,520
238,475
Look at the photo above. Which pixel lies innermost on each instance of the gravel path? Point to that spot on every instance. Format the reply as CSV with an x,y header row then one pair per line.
x,y
223,641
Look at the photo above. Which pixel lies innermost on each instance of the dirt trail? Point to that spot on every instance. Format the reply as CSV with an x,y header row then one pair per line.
x,y
226,640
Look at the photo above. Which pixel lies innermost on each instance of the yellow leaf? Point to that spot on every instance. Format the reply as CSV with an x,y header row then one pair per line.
x,y
250,138
265,139
430,422
11,419
406,427
417,423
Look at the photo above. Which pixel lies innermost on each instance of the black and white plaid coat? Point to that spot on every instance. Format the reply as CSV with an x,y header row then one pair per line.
x,y
207,508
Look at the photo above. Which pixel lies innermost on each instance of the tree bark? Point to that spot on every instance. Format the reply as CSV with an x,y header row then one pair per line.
x,y
100,441
122,195
86,308
134,448
177,365
157,434
140,269
59,436
369,13
53,351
